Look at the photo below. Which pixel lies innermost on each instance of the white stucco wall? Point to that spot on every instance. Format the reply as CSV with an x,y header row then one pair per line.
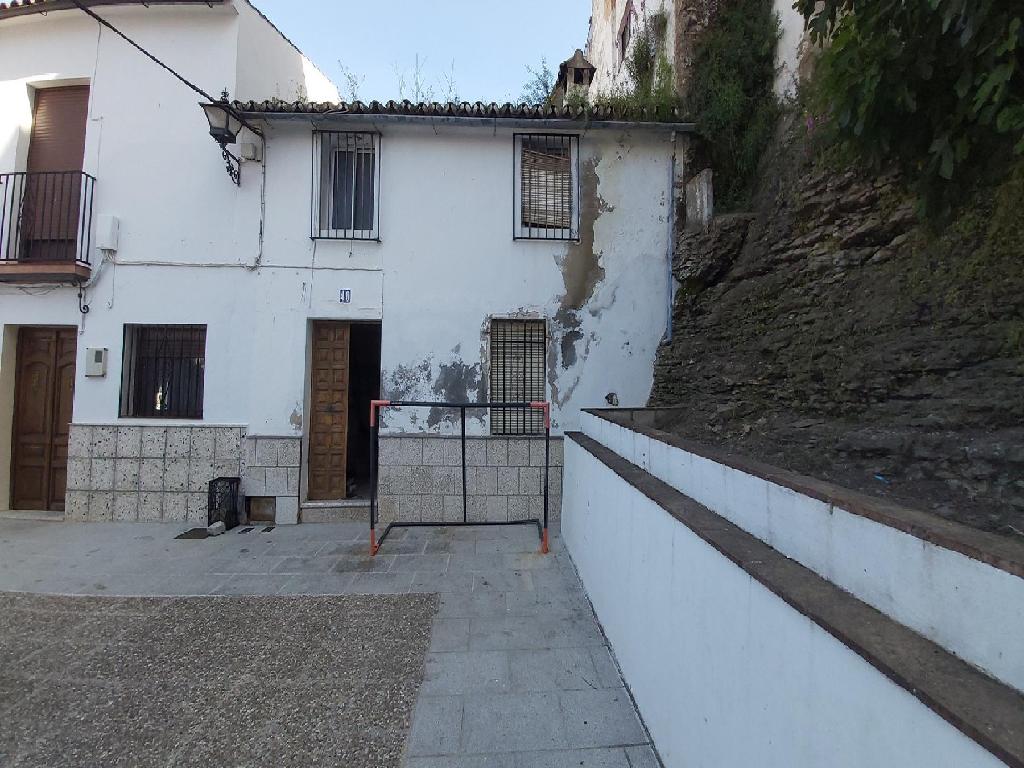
x,y
447,262
191,249
724,672
938,592
269,66
162,176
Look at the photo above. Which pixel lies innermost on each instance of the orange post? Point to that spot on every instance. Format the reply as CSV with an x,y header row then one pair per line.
x,y
373,543
374,405
544,542
546,407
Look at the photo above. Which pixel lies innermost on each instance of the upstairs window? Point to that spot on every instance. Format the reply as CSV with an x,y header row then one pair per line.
x,y
346,188
162,372
518,352
546,187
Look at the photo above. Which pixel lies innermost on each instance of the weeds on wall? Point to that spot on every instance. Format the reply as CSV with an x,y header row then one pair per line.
x,y
731,97
651,92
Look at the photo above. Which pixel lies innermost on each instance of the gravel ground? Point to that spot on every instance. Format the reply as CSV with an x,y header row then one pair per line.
x,y
216,681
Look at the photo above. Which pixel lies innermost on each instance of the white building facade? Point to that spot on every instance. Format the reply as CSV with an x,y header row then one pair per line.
x,y
402,253
613,31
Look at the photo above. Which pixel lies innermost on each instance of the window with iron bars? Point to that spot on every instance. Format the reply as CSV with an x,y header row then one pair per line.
x,y
546,187
162,371
346,185
518,352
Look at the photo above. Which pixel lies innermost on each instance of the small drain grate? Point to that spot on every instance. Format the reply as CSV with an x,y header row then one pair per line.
x,y
268,529
193,533
246,530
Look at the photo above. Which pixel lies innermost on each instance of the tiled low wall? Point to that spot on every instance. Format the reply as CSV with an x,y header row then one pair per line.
x,y
421,479
118,472
270,468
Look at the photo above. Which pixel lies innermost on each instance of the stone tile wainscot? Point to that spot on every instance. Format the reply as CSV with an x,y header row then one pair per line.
x,y
421,479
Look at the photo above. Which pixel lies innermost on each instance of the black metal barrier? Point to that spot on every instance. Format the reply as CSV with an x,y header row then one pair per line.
x,y
377,405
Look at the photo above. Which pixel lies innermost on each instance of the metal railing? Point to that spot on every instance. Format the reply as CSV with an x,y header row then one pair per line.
x,y
46,216
376,406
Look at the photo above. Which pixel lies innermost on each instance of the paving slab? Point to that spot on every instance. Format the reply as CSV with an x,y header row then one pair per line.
x,y
516,672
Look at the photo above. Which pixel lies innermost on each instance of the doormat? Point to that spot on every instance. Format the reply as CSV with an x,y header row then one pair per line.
x,y
193,533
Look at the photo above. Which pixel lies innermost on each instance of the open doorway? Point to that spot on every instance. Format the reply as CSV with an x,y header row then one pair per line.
x,y
344,377
364,386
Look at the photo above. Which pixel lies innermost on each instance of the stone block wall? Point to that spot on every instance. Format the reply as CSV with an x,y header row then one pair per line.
x,y
421,479
153,473
270,468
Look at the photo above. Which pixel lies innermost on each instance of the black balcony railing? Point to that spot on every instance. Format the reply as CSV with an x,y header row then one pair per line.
x,y
46,217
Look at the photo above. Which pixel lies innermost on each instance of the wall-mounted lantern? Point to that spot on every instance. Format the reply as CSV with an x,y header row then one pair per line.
x,y
225,124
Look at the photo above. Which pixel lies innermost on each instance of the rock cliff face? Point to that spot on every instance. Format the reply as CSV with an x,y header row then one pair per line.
x,y
830,334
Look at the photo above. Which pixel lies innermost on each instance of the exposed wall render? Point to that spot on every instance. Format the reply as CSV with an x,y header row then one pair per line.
x,y
595,294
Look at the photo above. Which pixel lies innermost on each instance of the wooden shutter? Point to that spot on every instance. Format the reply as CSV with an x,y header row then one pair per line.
x,y
58,129
546,179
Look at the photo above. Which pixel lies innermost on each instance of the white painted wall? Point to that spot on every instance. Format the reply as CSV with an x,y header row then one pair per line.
x,y
269,66
161,174
191,250
940,593
447,261
725,673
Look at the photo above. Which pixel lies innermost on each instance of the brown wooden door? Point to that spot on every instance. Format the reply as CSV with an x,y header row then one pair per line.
x,y
44,387
52,196
328,421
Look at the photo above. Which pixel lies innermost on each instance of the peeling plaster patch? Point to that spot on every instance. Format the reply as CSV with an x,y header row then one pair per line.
x,y
406,380
569,339
454,384
582,273
581,265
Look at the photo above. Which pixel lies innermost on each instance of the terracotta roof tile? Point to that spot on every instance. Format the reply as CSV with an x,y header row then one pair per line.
x,y
477,109
23,7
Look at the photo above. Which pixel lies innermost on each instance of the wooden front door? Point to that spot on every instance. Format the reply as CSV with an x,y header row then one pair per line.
x,y
328,421
44,387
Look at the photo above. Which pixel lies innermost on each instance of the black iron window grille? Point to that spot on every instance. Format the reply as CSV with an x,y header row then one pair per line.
x,y
546,187
46,216
346,185
518,352
162,372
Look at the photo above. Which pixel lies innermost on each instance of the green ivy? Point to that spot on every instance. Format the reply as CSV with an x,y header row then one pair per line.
x,y
934,85
731,97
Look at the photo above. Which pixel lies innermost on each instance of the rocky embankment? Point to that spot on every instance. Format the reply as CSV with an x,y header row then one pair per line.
x,y
831,334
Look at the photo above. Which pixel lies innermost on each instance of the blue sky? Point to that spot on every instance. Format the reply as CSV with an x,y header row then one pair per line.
x,y
489,43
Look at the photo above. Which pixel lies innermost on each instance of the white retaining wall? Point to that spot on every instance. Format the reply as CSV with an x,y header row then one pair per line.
x,y
971,609
724,672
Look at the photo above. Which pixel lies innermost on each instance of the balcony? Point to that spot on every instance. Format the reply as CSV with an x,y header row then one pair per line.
x,y
45,226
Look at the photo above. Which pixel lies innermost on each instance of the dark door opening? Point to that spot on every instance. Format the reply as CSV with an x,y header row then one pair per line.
x,y
344,377
44,387
364,386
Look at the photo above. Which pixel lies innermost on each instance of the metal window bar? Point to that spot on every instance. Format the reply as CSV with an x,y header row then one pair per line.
x,y
517,374
164,367
46,216
346,185
542,407
546,186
